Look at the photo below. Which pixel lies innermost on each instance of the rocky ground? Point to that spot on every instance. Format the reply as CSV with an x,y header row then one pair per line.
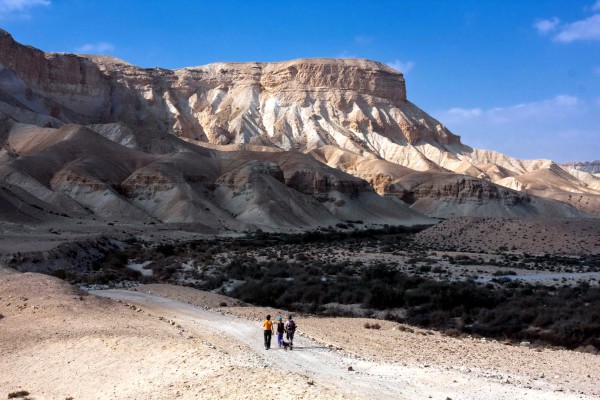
x,y
534,236
160,341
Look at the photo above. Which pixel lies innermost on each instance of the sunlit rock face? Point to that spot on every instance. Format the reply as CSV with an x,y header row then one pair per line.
x,y
336,130
359,105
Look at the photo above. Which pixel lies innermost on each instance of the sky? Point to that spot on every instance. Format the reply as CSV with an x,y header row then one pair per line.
x,y
521,77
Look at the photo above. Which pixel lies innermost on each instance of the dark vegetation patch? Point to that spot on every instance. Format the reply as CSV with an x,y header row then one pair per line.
x,y
566,316
311,271
17,394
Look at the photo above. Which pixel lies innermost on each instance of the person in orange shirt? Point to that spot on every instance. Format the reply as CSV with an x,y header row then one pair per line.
x,y
268,331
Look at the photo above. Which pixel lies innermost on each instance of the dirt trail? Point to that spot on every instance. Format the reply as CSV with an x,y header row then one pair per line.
x,y
375,380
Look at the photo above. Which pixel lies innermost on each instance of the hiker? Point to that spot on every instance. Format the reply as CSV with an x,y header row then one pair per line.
x,y
290,329
280,330
268,331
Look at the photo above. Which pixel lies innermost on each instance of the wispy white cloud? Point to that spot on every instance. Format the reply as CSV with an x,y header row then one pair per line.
x,y
462,114
586,29
402,66
558,107
363,40
544,26
561,128
18,8
96,48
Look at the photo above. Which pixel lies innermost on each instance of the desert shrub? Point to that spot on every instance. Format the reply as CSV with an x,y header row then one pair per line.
x,y
417,297
165,249
301,257
240,268
384,296
542,320
212,282
313,294
452,332
425,268
20,393
504,273
60,274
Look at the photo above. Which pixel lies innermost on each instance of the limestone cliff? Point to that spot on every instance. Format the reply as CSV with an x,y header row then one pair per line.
x,y
359,105
293,143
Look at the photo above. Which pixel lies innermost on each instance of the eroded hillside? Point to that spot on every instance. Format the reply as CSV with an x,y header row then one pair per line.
x,y
285,145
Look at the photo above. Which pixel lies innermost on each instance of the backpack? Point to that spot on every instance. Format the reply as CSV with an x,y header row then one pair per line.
x,y
291,326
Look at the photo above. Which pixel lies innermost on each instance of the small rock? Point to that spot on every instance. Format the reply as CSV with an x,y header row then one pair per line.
x,y
350,368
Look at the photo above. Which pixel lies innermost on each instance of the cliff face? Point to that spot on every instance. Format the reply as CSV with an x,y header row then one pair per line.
x,y
61,86
359,105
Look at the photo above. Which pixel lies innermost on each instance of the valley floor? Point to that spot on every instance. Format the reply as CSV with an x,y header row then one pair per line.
x,y
162,341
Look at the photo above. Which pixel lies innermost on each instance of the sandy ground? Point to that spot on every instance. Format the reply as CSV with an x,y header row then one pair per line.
x,y
58,342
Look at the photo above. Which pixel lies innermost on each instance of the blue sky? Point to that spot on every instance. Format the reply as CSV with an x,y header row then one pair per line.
x,y
517,76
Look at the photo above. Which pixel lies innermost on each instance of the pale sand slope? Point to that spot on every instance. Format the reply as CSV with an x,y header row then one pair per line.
x,y
56,342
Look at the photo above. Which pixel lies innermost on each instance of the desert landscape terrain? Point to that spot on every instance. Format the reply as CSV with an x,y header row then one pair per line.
x,y
150,219
163,341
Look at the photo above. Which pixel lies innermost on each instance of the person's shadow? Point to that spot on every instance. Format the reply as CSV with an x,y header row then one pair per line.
x,y
306,348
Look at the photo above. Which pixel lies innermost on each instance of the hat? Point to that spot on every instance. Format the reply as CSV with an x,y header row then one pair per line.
x,y
279,318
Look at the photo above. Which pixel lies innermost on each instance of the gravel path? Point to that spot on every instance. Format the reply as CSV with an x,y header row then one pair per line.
x,y
369,379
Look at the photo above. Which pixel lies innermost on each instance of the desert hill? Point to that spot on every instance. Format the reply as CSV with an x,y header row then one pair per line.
x,y
589,167
293,144
79,172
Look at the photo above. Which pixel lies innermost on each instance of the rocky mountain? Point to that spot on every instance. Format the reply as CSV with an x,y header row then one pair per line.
x,y
291,144
589,167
